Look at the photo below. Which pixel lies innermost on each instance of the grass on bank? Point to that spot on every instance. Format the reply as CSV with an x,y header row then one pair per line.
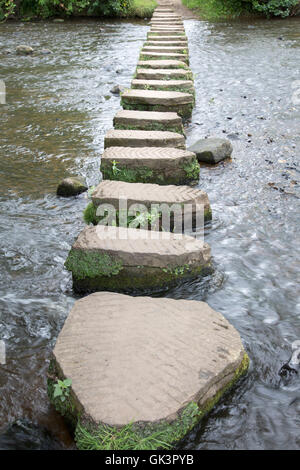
x,y
216,9
143,8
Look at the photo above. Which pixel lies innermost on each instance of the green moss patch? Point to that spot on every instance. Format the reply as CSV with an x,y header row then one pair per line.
x,y
154,57
88,264
146,436
183,110
155,126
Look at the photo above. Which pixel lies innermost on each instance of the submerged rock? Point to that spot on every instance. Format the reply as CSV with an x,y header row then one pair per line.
x,y
45,51
211,150
117,90
22,49
71,187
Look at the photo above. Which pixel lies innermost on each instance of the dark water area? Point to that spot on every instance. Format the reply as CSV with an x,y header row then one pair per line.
x,y
59,107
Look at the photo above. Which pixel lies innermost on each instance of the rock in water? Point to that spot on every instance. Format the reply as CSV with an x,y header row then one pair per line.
x,y
24,50
211,150
143,370
71,187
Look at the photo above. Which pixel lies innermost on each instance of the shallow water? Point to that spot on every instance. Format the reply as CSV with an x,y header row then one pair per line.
x,y
53,125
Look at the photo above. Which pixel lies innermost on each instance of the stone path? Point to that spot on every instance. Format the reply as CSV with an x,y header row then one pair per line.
x,y
154,365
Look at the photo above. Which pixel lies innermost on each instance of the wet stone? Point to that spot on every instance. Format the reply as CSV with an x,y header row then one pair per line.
x,y
121,259
153,365
168,49
185,86
162,64
71,186
163,74
135,138
212,150
148,120
159,165
164,55
173,208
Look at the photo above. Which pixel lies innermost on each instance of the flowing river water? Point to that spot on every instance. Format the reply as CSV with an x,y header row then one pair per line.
x,y
59,107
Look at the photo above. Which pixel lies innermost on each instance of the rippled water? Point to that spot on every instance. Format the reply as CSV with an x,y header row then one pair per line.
x,y
58,109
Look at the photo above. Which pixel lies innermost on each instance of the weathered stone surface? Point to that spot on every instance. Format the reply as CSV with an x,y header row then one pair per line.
x,y
133,138
160,165
22,49
175,43
164,56
182,103
171,38
177,197
168,49
121,259
71,186
186,86
159,363
162,64
163,74
148,120
212,150
166,21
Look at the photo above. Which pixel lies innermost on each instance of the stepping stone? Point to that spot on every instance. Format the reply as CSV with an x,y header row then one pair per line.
x,y
166,22
159,165
162,64
169,49
122,259
212,150
163,74
155,365
133,138
179,44
163,56
153,100
184,202
148,121
167,31
155,37
185,86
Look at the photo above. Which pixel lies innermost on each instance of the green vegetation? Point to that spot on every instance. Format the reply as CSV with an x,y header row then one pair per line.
x,y
62,389
88,264
183,110
43,9
154,126
162,435
217,9
192,170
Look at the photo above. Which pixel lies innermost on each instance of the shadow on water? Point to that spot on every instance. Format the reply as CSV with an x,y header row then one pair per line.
x,y
58,109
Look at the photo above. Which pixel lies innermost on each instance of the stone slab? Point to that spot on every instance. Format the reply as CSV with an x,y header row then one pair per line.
x,y
159,165
148,120
170,38
163,74
169,49
136,138
156,100
145,55
146,361
122,259
186,86
162,64
179,198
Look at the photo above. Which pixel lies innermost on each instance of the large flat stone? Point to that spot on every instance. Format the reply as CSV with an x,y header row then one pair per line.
x,y
167,36
159,165
148,120
212,150
163,74
153,100
162,64
145,55
186,86
158,363
158,38
186,203
133,138
168,49
181,44
121,259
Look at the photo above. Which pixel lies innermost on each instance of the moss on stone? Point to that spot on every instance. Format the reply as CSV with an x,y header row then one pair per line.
x,y
183,110
178,66
155,126
88,264
143,174
181,89
150,436
154,57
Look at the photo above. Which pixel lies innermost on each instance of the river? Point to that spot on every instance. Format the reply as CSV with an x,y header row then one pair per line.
x,y
59,107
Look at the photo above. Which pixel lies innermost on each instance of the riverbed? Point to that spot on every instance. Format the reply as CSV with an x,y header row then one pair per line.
x,y
58,109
